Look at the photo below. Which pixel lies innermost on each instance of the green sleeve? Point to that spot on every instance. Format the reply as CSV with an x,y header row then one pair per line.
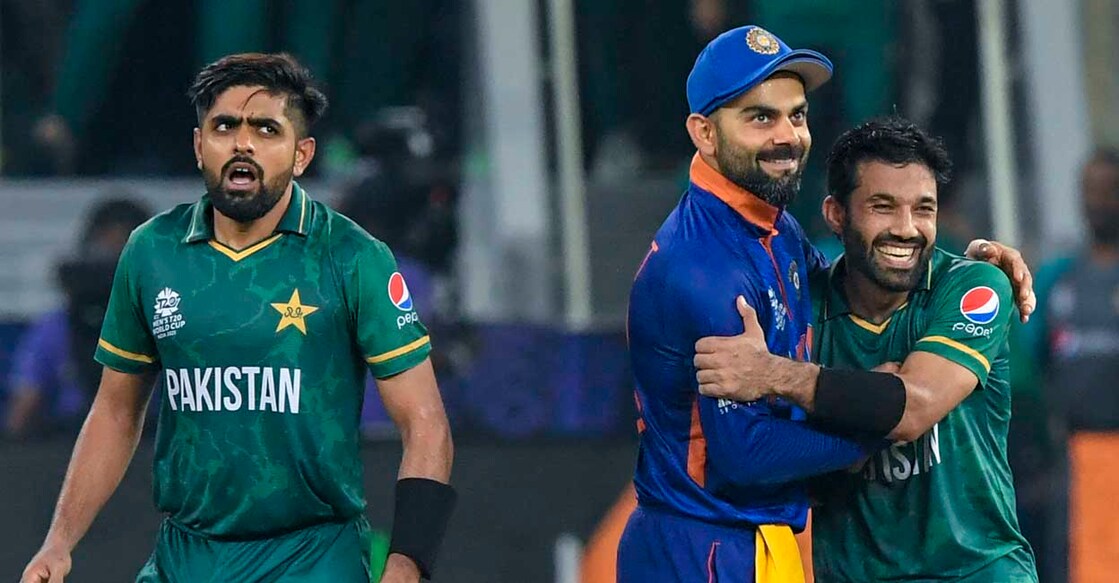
x,y
390,334
126,342
973,342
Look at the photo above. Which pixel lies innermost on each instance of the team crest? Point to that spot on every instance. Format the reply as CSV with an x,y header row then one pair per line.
x,y
980,305
794,276
761,41
293,312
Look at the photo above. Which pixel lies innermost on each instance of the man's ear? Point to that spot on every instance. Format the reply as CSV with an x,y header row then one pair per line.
x,y
704,134
834,214
198,147
304,153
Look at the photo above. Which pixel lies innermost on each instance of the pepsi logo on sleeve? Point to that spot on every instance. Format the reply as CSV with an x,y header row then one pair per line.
x,y
980,305
398,292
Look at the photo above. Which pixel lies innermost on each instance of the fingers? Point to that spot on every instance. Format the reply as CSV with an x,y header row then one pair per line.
x,y
980,249
705,377
750,324
891,367
37,574
709,344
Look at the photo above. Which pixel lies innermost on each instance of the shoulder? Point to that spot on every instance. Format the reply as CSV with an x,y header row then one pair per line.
x,y
955,272
977,289
160,233
171,224
347,241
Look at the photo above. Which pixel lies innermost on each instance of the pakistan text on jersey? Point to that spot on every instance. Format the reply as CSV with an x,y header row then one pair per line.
x,y
234,388
902,461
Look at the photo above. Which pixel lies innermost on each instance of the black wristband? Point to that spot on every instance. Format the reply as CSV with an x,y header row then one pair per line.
x,y
422,510
858,401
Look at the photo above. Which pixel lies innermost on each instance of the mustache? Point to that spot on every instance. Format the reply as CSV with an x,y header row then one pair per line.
x,y
243,160
781,153
919,241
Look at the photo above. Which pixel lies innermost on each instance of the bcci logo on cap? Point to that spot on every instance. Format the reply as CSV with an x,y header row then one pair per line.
x,y
980,305
761,41
398,292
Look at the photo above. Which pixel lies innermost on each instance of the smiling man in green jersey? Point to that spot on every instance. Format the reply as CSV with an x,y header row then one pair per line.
x,y
259,310
938,502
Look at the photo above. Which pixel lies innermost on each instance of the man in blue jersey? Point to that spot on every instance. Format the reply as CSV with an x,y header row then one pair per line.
x,y
719,482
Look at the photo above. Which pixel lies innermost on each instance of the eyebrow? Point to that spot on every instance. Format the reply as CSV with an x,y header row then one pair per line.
x,y
887,197
773,111
256,122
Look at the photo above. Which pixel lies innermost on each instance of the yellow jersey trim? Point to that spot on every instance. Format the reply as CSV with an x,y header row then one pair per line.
x,y
875,328
399,351
124,353
302,210
239,255
961,347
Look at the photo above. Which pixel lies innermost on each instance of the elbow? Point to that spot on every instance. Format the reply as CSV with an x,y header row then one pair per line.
x,y
914,423
907,431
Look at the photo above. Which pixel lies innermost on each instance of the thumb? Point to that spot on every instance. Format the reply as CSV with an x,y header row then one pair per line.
x,y
749,318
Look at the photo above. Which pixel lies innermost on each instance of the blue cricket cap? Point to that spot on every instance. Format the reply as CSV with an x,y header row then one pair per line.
x,y
740,59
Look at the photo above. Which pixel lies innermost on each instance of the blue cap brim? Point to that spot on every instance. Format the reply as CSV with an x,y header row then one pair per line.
x,y
812,67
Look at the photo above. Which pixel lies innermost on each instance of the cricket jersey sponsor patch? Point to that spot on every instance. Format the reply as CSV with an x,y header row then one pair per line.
x,y
398,292
980,305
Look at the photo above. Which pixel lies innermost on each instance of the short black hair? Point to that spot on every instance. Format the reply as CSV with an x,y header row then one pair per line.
x,y
893,140
278,73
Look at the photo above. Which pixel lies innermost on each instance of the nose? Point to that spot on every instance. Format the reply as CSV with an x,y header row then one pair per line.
x,y
243,143
904,227
785,132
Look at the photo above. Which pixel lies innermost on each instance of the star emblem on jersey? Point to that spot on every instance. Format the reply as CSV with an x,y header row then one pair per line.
x,y
980,305
293,312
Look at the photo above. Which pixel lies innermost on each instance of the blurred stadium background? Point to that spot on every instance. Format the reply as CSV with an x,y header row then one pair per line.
x,y
518,155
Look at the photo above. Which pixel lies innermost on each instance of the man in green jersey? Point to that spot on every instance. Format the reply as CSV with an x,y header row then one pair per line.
x,y
259,310
938,502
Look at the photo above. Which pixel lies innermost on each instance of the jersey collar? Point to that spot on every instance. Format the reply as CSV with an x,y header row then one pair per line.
x,y
296,218
835,299
755,210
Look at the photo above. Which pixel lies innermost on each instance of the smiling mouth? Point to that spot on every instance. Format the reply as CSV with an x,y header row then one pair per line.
x,y
897,256
780,164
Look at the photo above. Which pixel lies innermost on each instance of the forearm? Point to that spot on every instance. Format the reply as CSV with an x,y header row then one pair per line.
x,y
428,450
864,403
793,380
766,451
101,455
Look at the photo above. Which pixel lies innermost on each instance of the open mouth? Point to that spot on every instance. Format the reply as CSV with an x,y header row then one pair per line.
x,y
241,176
897,256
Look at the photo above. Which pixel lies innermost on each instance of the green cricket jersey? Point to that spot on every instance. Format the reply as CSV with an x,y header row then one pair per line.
x,y
262,356
941,507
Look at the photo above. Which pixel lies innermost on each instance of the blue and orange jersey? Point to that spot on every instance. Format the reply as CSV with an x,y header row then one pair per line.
x,y
715,460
